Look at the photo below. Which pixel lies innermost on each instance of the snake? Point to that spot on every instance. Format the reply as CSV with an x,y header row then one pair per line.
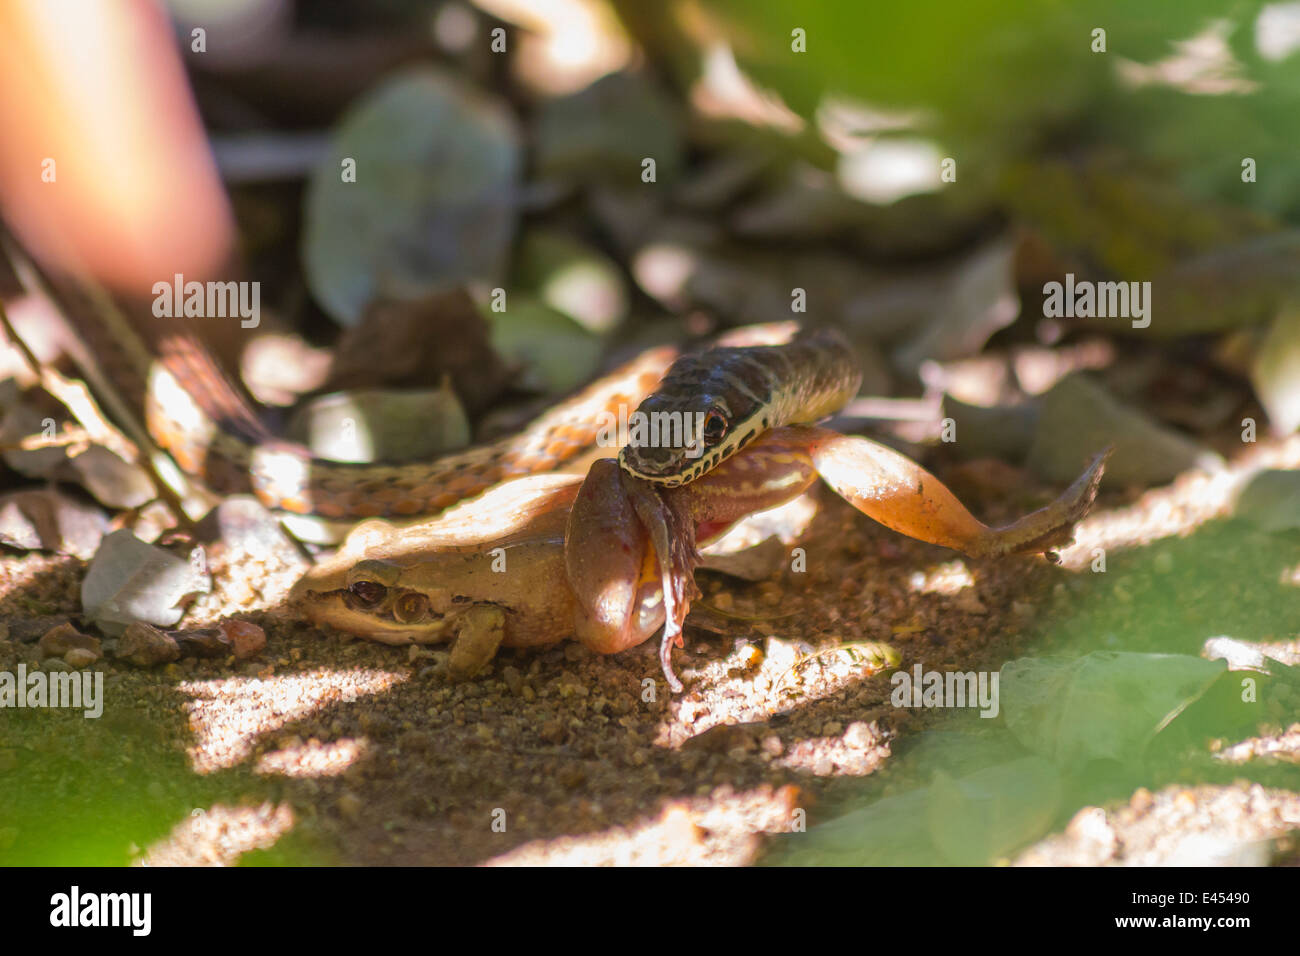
x,y
732,395
211,429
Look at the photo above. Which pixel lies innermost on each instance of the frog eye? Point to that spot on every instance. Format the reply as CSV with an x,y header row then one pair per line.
x,y
411,607
715,427
365,594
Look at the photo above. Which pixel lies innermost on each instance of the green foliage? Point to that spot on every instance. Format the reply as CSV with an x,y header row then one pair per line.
x,y
1106,705
434,199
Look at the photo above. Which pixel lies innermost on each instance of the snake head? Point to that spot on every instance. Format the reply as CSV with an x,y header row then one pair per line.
x,y
670,441
706,409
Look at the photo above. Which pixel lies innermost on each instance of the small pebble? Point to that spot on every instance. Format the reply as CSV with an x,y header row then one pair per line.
x,y
80,657
62,638
246,638
680,830
514,680
351,806
145,646
574,651
859,735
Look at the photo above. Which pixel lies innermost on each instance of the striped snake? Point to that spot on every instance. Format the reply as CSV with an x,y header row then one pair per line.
x,y
732,395
211,429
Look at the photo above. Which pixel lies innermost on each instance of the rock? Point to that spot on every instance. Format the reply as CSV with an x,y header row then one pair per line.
x,y
80,657
239,638
62,638
111,480
146,646
44,519
203,642
245,638
26,630
129,581
574,652
552,732
859,735
382,424
514,680
968,602
351,806
245,526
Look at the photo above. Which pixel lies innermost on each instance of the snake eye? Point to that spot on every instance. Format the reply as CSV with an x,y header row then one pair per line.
x,y
366,594
411,607
715,427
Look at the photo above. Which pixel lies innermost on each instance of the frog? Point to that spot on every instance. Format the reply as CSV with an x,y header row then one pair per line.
x,y
608,559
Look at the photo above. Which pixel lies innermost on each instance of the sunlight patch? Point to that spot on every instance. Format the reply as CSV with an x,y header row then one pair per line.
x,y
1203,64
220,835
719,830
229,716
723,91
1178,509
949,579
312,758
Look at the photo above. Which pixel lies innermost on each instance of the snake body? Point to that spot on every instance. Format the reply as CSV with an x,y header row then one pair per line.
x,y
210,427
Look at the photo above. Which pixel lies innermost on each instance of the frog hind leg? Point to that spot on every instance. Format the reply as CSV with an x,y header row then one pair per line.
x,y
900,494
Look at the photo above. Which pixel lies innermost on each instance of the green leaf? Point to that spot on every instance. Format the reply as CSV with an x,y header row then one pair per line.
x,y
434,202
1271,501
889,832
978,818
1106,705
557,353
604,133
573,278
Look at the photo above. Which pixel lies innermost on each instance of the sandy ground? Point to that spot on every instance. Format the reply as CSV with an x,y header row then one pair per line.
x,y
330,749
